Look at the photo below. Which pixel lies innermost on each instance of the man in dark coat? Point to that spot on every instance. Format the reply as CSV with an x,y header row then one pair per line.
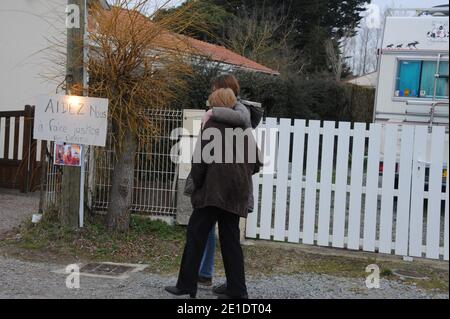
x,y
223,162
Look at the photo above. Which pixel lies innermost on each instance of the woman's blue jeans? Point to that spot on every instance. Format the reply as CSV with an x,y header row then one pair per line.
x,y
207,265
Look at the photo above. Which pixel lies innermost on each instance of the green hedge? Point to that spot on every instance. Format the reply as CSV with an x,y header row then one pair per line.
x,y
318,97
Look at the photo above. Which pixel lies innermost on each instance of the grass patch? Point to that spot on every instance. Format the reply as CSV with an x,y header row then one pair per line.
x,y
386,272
150,242
270,261
435,283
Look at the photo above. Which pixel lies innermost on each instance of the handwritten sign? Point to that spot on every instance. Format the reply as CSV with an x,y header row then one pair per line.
x,y
71,119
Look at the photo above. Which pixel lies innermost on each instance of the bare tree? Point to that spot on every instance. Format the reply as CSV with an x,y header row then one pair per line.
x,y
334,58
362,53
136,63
338,52
262,35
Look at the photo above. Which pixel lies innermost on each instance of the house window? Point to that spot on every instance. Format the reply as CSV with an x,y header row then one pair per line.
x,y
416,78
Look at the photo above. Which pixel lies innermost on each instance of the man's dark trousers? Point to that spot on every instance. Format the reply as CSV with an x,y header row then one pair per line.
x,y
200,224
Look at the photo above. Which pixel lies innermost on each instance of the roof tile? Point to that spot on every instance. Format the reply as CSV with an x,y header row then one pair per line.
x,y
170,40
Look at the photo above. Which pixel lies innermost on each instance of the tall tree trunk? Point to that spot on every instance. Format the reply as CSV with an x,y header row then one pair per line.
x,y
121,193
366,42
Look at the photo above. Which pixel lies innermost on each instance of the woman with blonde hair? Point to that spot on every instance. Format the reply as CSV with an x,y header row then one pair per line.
x,y
220,98
239,115
221,195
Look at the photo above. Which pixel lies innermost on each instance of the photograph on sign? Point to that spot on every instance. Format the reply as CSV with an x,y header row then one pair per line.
x,y
71,119
67,154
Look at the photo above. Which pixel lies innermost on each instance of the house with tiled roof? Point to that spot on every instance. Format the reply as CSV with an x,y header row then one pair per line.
x,y
29,29
227,57
170,40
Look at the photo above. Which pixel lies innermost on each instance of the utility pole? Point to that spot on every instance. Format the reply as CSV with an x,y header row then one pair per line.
x,y
70,188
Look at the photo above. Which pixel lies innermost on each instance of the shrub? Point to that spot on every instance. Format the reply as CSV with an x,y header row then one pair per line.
x,y
316,97
362,103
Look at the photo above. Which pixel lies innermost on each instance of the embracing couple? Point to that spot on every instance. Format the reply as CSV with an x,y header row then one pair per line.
x,y
221,192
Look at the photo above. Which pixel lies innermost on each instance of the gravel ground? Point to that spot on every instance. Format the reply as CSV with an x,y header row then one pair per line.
x,y
21,279
10,214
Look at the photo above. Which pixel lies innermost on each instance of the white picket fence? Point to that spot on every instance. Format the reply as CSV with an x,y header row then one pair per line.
x,y
326,188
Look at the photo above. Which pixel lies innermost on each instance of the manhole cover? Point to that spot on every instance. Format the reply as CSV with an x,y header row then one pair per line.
x,y
412,274
105,269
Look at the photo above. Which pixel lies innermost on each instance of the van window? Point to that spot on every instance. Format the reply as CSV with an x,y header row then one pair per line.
x,y
416,79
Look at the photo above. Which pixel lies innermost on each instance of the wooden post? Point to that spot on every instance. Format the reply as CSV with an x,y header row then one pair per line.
x,y
70,188
27,144
43,166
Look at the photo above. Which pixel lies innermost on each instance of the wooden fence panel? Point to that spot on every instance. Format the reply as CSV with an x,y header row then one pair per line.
x,y
268,175
326,181
252,219
354,218
370,212
311,182
417,191
387,195
282,179
344,197
19,153
434,190
404,190
340,194
295,196
446,220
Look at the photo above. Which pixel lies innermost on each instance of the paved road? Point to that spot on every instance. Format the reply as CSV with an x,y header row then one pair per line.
x,y
21,279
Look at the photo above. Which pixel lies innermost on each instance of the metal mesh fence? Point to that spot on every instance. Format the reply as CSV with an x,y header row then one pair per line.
x,y
155,173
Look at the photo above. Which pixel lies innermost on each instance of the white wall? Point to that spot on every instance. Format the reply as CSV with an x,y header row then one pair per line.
x,y
29,30
400,31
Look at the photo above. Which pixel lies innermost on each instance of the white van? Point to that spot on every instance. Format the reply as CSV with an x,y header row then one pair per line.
x,y
413,70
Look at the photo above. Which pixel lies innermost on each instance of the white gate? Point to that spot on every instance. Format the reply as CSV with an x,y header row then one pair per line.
x,y
378,189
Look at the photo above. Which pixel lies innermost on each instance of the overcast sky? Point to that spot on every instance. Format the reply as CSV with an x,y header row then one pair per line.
x,y
409,3
384,3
